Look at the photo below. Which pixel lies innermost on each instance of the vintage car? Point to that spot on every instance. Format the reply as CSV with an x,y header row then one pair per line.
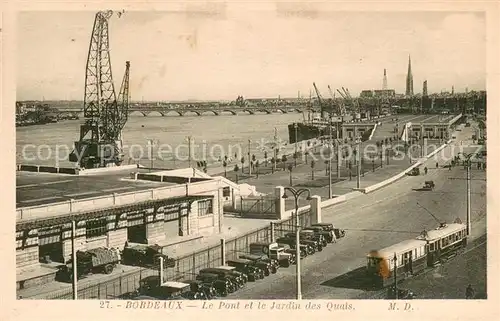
x,y
428,186
309,239
247,267
145,255
314,235
222,286
305,249
239,279
171,291
328,235
287,249
414,172
201,290
272,251
262,261
339,233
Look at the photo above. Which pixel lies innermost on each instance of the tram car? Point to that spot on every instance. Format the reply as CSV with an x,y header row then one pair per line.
x,y
411,257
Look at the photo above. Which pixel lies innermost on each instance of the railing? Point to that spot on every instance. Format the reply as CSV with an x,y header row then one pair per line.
x,y
257,205
186,267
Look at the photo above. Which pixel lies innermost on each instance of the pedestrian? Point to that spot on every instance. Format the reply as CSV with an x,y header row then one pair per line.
x,y
425,170
437,165
469,292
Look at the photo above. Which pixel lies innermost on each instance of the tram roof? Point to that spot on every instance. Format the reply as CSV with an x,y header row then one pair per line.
x,y
401,247
442,232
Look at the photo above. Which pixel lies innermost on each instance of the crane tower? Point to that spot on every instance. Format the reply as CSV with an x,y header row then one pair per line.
x,y
100,143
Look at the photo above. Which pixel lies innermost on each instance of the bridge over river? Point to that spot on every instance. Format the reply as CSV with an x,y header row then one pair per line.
x,y
199,111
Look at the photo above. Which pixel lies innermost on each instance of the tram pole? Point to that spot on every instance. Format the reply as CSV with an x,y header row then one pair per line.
x,y
74,262
469,225
330,195
395,276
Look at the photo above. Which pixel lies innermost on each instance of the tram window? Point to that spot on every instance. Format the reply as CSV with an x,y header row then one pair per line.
x,y
431,247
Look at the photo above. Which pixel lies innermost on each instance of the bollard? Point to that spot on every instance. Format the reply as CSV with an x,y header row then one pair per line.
x,y
161,270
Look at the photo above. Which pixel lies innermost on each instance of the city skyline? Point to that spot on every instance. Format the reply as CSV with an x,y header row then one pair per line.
x,y
241,55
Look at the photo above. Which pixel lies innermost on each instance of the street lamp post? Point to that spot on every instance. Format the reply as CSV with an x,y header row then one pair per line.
x,y
296,194
330,143
295,156
74,263
395,276
189,150
468,167
358,163
249,159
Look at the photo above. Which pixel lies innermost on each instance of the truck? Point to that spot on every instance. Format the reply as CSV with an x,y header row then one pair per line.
x,y
145,255
273,251
98,260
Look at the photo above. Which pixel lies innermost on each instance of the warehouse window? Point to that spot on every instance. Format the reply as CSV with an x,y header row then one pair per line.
x,y
205,208
95,227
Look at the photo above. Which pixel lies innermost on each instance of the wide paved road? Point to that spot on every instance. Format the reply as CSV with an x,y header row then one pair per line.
x,y
374,221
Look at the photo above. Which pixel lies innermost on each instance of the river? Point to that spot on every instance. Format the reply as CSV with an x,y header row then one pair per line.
x,y
212,137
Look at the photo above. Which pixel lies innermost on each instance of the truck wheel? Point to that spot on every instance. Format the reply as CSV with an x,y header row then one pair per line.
x,y
108,269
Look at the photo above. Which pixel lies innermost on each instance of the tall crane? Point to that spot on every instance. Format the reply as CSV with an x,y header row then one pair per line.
x,y
321,101
340,103
100,143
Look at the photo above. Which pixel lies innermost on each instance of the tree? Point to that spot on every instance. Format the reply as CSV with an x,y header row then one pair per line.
x,y
313,163
290,168
284,159
242,163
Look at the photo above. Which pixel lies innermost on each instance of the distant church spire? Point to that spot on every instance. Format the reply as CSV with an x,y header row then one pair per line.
x,y
409,79
384,83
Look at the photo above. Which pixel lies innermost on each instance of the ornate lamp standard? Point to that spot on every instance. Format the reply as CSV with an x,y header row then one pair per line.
x,y
296,194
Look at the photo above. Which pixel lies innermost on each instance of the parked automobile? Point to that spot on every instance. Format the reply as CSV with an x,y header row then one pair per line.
x,y
328,235
226,274
287,249
316,236
145,255
172,291
247,267
306,247
222,286
201,290
265,263
273,251
307,239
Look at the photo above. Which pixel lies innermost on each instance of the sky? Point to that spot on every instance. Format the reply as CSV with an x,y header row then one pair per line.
x,y
261,53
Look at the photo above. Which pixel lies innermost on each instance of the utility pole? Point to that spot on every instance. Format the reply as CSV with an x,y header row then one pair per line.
x,y
330,192
249,159
295,156
74,261
358,158
469,225
189,150
395,276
